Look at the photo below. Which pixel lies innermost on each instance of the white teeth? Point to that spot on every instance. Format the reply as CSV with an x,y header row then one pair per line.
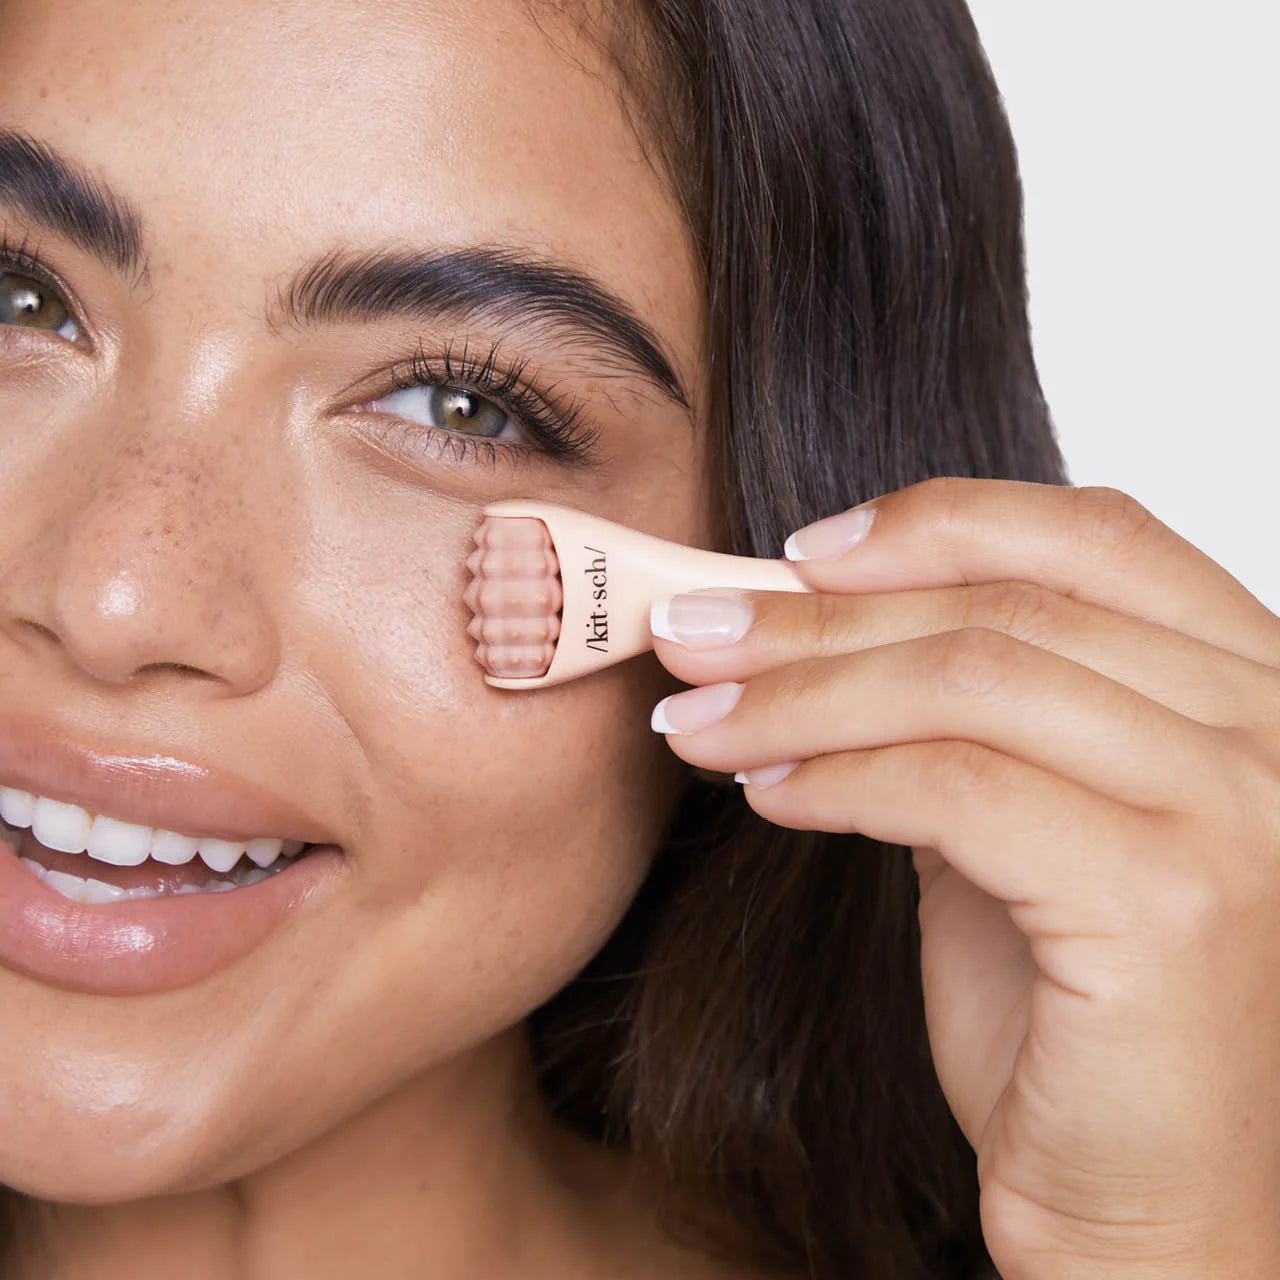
x,y
69,886
176,850
96,891
263,853
92,892
16,807
122,844
64,827
220,855
71,829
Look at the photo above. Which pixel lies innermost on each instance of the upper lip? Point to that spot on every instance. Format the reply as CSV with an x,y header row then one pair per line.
x,y
151,790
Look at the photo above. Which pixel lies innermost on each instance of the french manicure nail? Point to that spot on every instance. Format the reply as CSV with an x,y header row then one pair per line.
x,y
768,775
832,537
700,620
695,708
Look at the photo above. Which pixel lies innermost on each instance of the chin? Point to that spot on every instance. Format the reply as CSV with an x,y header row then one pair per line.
x,y
110,1151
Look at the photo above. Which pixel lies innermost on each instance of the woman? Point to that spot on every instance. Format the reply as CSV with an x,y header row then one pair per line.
x,y
290,290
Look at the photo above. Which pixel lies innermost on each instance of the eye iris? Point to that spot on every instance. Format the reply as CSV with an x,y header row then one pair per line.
x,y
24,301
456,409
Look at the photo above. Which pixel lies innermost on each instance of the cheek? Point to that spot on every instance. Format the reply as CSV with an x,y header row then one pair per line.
x,y
436,750
500,834
461,777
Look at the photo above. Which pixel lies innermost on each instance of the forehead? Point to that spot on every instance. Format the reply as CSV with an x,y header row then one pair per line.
x,y
293,125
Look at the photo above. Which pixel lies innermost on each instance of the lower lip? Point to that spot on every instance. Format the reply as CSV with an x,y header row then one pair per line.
x,y
142,945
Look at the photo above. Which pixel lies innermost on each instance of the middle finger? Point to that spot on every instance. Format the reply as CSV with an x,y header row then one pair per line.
x,y
1190,676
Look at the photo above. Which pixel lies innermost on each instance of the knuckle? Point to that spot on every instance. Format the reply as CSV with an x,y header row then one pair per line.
x,y
1246,766
1190,899
1246,771
1213,862
1111,518
971,662
827,626
944,499
962,767
1022,609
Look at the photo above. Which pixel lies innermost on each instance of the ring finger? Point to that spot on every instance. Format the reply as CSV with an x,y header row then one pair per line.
x,y
974,685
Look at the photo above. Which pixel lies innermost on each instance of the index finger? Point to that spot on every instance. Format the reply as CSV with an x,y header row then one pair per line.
x,y
1097,545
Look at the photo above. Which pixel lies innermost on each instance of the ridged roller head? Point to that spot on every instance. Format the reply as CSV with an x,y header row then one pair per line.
x,y
515,596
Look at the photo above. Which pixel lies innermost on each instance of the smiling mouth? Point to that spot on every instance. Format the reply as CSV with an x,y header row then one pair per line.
x,y
93,858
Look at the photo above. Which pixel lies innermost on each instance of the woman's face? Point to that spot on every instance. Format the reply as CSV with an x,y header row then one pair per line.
x,y
228,539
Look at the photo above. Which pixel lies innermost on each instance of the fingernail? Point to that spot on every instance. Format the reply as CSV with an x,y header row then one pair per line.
x,y
701,620
695,708
832,537
767,775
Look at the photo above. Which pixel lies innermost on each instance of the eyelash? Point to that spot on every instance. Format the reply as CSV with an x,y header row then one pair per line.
x,y
559,431
17,257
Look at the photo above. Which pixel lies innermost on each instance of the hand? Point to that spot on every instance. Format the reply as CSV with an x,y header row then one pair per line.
x,y
1073,717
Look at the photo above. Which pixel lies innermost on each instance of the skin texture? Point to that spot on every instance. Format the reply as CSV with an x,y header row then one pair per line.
x,y
208,550
1071,715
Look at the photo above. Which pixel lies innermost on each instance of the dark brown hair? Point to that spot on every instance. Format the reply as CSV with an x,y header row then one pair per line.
x,y
754,1030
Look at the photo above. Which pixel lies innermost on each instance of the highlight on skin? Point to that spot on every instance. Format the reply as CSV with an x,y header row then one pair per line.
x,y
515,596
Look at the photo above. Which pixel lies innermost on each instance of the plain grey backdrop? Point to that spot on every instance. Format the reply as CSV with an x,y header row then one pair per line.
x,y
1147,137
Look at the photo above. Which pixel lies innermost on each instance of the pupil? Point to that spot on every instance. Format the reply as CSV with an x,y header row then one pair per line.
x,y
463,404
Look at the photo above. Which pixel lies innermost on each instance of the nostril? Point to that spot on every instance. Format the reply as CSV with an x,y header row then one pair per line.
x,y
184,668
45,633
180,667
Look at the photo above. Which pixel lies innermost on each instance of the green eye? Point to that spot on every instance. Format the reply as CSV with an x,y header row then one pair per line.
x,y
452,409
29,304
456,409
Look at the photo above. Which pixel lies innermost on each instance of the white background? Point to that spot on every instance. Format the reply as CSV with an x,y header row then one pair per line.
x,y
1148,138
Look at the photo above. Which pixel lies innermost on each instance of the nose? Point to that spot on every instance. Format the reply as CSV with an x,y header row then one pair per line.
x,y
153,563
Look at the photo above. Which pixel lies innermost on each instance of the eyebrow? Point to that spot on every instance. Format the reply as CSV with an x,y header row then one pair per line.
x,y
37,182
495,283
